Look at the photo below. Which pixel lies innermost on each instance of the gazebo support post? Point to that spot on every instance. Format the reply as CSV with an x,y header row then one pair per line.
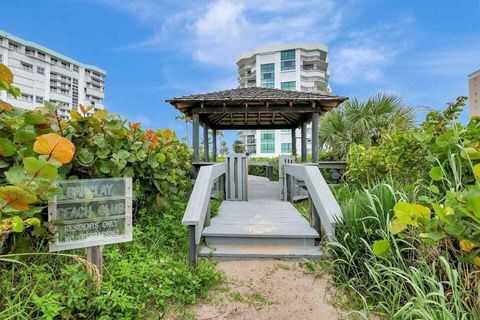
x,y
304,142
294,141
196,137
315,145
206,155
214,145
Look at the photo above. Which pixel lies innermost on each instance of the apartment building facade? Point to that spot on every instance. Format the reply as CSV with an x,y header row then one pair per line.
x,y
294,66
474,93
46,75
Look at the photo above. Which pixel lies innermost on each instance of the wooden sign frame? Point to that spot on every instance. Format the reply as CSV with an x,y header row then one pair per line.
x,y
101,195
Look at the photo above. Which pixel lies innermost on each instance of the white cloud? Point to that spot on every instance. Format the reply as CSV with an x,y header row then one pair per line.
x,y
365,54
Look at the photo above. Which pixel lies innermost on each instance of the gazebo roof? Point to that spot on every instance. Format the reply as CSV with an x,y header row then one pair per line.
x,y
255,107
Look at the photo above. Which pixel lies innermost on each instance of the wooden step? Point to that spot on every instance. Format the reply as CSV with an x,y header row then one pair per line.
x,y
213,241
261,251
261,230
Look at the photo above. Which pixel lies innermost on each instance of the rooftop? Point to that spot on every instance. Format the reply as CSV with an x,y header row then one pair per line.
x,y
284,46
255,107
474,74
27,43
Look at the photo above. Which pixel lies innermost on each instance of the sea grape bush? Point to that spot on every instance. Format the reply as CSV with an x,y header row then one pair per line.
x,y
447,213
37,146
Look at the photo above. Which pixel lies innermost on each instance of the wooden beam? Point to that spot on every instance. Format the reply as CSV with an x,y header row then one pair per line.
x,y
214,145
315,144
206,153
294,142
196,134
254,109
304,142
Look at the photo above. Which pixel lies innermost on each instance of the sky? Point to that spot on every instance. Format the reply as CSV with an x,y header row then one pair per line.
x,y
153,50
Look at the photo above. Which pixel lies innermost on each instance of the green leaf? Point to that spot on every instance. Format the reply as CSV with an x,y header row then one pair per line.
x,y
381,248
84,156
402,211
7,148
16,175
470,153
396,226
24,135
433,189
17,224
41,167
476,170
161,157
436,173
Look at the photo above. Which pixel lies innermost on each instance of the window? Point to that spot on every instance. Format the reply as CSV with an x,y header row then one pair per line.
x,y
286,130
75,68
13,46
286,147
267,75
27,66
289,85
267,141
40,70
287,60
1,57
41,55
26,97
38,99
30,51
53,60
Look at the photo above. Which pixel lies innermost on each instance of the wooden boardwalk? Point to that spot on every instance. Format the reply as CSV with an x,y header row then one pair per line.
x,y
262,227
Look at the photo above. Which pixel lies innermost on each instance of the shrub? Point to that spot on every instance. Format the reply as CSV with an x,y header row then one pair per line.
x,y
397,276
141,278
37,146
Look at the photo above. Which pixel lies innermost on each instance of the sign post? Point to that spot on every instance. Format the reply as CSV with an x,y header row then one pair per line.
x,y
90,213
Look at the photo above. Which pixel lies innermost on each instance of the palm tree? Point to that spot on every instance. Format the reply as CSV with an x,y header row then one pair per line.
x,y
363,122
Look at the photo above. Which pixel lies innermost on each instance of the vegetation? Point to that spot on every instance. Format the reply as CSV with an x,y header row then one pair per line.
x,y
141,279
356,122
409,248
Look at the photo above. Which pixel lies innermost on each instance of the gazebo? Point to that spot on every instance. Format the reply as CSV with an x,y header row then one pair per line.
x,y
255,108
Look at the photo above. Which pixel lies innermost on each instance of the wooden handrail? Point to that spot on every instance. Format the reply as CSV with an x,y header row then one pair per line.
x,y
198,206
326,206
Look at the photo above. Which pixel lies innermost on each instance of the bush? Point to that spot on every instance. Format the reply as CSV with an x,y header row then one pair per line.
x,y
141,278
396,277
37,146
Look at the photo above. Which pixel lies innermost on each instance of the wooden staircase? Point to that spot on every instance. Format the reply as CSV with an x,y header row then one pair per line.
x,y
264,227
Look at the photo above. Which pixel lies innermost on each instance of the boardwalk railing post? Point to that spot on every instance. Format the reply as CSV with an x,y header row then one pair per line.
x,y
192,246
314,217
237,177
282,160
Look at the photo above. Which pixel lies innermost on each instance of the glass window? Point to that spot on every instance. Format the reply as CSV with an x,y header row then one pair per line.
x,y
286,147
267,76
289,85
267,141
287,60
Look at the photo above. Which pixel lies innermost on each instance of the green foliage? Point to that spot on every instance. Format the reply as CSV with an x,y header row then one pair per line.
x,y
141,278
357,122
37,146
399,156
397,277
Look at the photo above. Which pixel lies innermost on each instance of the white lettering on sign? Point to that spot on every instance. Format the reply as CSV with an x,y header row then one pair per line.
x,y
91,212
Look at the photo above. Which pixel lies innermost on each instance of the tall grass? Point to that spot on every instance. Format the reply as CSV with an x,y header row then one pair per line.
x,y
413,281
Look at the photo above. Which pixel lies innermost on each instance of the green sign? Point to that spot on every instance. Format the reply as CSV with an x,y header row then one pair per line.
x,y
91,212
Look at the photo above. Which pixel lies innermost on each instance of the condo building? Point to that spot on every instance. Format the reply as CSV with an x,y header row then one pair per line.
x,y
294,66
46,75
474,93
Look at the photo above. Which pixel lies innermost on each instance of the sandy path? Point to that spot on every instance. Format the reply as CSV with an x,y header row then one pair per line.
x,y
268,290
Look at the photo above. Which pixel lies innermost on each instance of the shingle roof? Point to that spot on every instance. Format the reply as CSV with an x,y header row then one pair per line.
x,y
256,94
255,108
